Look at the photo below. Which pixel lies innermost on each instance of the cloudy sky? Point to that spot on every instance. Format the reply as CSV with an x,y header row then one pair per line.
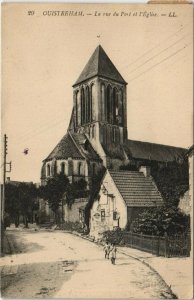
x,y
44,55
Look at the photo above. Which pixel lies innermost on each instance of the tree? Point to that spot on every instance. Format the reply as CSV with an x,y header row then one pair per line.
x,y
27,198
77,189
20,200
54,190
157,221
94,190
12,204
172,180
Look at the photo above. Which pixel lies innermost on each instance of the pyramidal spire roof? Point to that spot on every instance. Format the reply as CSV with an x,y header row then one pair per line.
x,y
100,64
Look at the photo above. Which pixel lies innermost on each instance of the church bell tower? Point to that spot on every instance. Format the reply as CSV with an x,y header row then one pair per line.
x,y
100,106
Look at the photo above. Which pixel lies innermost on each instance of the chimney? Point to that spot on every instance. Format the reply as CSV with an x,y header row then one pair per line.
x,y
145,170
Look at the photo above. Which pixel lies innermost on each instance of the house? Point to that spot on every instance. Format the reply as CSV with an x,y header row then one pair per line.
x,y
17,183
97,138
122,196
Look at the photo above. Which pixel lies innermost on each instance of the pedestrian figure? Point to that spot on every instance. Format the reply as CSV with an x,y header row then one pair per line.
x,y
107,250
113,254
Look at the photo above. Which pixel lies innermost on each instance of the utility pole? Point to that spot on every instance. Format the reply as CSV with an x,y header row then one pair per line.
x,y
4,179
3,189
3,192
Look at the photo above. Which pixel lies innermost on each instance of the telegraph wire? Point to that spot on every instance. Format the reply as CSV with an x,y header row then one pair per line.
x,y
23,137
41,131
173,54
28,132
142,55
156,55
48,122
39,125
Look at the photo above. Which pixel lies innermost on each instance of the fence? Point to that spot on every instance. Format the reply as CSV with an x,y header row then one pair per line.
x,y
176,246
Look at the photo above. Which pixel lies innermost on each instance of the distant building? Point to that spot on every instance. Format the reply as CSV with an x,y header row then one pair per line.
x,y
97,138
16,183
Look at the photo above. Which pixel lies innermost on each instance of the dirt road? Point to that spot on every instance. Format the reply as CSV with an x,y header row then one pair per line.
x,y
61,265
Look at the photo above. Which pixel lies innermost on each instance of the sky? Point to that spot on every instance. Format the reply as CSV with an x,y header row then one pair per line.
x,y
42,57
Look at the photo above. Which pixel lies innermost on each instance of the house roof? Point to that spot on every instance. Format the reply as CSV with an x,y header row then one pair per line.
x,y
100,64
136,189
151,151
17,183
74,145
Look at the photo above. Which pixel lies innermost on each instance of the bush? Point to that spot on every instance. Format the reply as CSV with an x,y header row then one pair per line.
x,y
72,226
157,221
114,236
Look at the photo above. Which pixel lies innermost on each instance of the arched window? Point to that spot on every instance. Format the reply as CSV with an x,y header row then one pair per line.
x,y
55,168
91,102
104,135
83,107
88,110
109,112
103,102
108,135
63,168
76,108
93,169
48,170
115,106
120,108
93,131
79,171
114,135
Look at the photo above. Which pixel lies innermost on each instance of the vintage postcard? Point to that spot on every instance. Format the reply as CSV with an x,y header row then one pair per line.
x,y
97,151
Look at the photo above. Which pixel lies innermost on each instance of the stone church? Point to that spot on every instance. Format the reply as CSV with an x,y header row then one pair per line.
x,y
97,138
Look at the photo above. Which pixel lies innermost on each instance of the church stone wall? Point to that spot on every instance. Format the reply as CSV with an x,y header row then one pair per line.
x,y
75,212
72,168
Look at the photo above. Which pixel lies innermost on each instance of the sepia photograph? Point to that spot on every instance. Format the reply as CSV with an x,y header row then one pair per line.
x,y
97,151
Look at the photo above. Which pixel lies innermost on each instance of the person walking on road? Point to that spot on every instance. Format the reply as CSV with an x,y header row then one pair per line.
x,y
113,254
107,250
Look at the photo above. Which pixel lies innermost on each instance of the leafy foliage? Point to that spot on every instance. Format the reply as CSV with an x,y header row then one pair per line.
x,y
94,189
58,191
114,236
12,204
157,221
172,180
129,167
72,226
54,190
20,199
77,189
